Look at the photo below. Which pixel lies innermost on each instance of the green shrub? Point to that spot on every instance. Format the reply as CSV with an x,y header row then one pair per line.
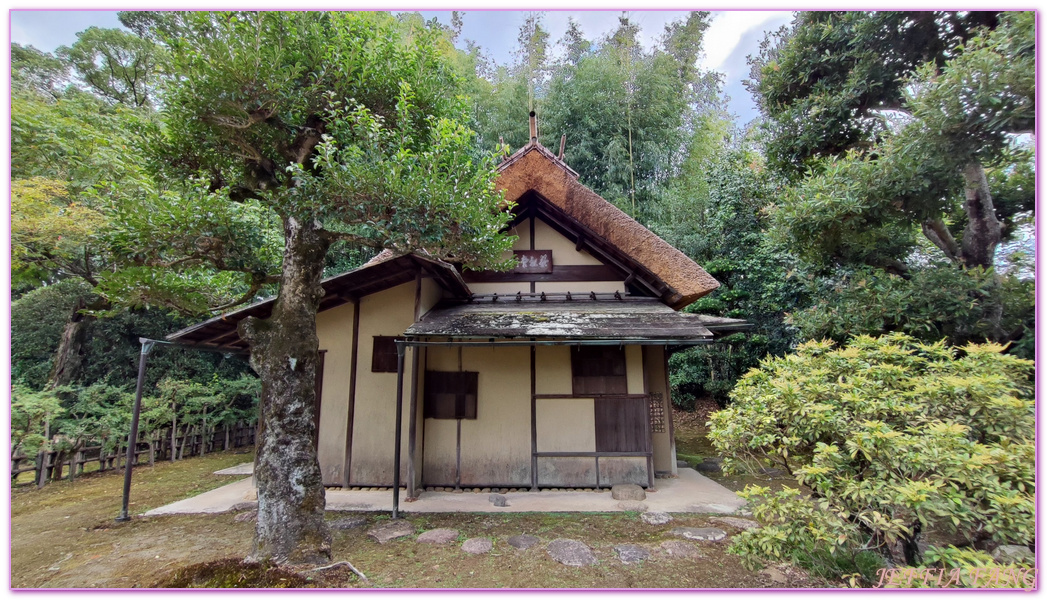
x,y
892,437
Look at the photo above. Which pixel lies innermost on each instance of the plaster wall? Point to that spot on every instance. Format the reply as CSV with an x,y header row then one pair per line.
x,y
334,327
496,446
388,312
657,383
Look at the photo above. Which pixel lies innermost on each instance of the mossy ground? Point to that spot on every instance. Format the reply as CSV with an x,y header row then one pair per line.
x,y
64,536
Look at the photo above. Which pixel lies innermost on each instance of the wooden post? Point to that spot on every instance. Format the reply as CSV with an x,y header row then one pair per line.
x,y
41,468
399,424
174,430
354,358
534,422
72,465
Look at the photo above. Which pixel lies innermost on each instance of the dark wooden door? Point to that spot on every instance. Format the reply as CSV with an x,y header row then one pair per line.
x,y
621,425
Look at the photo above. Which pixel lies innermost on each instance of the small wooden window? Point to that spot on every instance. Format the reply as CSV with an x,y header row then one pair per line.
x,y
383,354
451,394
598,370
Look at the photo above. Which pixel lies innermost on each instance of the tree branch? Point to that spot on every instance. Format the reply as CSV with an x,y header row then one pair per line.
x,y
248,295
936,231
336,236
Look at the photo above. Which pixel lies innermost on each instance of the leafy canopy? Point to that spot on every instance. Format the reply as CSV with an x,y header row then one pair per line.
x,y
351,121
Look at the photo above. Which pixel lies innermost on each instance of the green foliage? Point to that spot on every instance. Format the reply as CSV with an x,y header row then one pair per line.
x,y
37,321
935,301
892,436
886,123
111,352
794,529
716,215
351,121
118,66
101,414
30,410
110,349
37,73
825,82
72,154
421,174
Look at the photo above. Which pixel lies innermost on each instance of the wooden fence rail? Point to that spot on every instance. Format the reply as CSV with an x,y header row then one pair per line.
x,y
157,445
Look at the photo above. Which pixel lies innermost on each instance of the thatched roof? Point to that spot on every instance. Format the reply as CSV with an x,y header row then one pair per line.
x,y
534,168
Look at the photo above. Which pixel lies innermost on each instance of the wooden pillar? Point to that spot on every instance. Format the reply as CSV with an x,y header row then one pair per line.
x,y
354,358
534,424
412,427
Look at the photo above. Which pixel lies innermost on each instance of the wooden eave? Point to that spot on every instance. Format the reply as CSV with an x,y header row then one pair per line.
x,y
375,276
630,320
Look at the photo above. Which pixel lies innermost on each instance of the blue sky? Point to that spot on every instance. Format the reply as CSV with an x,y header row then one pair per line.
x,y
732,36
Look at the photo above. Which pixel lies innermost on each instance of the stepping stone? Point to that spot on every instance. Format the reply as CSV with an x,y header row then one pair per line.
x,y
477,545
744,524
723,509
498,500
348,523
438,536
774,575
704,534
522,542
1010,554
243,506
679,549
632,506
390,530
571,553
708,466
656,518
683,464
631,554
250,515
628,491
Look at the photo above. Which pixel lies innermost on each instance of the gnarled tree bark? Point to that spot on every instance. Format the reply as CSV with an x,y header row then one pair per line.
x,y
284,353
69,355
983,231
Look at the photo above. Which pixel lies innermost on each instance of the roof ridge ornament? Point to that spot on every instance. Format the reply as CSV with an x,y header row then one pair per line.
x,y
533,117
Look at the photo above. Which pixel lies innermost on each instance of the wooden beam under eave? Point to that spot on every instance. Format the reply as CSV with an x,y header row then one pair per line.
x,y
225,334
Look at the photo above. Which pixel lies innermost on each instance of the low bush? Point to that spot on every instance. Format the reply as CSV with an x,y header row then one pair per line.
x,y
891,437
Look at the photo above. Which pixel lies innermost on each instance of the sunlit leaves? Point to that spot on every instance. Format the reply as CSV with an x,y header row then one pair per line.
x,y
891,433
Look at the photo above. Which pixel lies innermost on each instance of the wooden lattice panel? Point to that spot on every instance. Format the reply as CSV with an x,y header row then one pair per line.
x,y
657,413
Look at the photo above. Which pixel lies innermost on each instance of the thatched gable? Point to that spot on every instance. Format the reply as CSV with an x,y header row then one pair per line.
x,y
535,169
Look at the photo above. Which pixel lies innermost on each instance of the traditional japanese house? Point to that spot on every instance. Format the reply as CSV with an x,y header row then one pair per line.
x,y
551,375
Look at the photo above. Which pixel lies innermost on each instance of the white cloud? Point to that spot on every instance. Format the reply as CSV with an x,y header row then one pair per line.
x,y
726,31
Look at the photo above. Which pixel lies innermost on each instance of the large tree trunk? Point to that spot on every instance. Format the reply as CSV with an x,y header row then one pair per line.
x,y
69,356
982,234
284,353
